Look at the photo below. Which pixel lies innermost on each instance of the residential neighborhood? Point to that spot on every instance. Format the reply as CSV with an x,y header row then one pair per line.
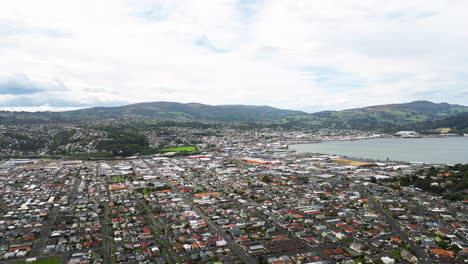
x,y
248,200
234,132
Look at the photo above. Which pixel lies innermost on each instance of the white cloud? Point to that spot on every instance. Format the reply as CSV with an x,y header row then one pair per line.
x,y
40,108
309,55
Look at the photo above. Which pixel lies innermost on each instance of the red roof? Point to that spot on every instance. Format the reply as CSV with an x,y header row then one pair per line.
x,y
19,248
144,244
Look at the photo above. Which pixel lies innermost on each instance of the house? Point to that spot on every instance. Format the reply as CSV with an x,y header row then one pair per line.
x,y
408,256
358,247
387,260
442,253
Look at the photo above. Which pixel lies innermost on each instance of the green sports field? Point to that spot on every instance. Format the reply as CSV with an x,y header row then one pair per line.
x,y
186,148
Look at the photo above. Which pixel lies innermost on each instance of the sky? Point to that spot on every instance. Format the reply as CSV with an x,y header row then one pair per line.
x,y
292,54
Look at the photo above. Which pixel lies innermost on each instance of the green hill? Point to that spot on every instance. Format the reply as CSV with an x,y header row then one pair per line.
x,y
391,117
382,117
191,111
453,124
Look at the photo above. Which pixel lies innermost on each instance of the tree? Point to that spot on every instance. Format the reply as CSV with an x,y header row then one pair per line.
x,y
262,260
266,179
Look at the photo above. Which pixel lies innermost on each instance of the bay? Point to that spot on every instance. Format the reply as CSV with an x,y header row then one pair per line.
x,y
450,150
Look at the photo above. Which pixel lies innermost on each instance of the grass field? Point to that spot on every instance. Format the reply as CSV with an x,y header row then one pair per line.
x,y
186,148
51,260
395,253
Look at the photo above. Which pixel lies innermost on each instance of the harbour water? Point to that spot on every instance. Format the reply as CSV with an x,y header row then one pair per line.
x,y
450,150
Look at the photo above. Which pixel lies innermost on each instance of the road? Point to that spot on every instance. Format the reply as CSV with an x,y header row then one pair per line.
x,y
422,209
232,244
310,249
64,255
47,227
262,216
154,224
156,230
106,217
421,254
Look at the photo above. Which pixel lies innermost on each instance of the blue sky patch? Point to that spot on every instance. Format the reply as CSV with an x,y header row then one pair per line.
x,y
18,85
204,42
247,8
332,79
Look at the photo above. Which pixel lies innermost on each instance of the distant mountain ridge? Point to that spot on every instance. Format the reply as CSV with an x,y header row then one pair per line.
x,y
190,111
386,117
379,117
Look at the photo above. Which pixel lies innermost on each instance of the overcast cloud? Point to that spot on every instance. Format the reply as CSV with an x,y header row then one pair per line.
x,y
304,55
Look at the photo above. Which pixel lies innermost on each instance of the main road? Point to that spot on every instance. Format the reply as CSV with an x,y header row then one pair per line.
x,y
48,225
233,244
421,254
106,216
